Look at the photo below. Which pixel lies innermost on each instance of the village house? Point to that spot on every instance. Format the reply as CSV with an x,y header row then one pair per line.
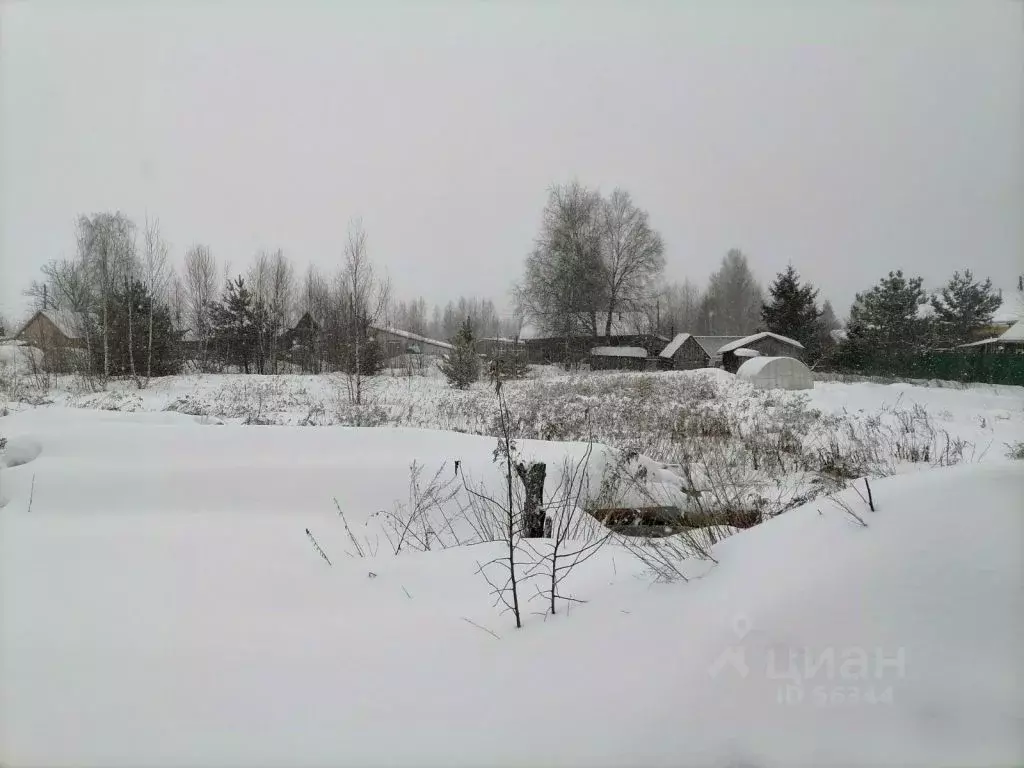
x,y
59,334
683,353
765,343
711,345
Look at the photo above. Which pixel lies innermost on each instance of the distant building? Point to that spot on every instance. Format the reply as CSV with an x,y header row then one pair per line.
x,y
711,345
618,358
766,343
683,353
61,335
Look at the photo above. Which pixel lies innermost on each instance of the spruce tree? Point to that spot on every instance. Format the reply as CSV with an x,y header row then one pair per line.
x,y
886,317
964,305
792,310
461,365
234,329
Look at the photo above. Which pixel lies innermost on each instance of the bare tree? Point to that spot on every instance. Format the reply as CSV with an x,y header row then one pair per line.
x,y
280,301
200,289
632,256
259,287
678,309
563,288
366,299
502,517
733,301
106,246
572,537
157,277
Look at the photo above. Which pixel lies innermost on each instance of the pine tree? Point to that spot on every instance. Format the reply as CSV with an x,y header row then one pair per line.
x,y
461,366
963,306
886,317
233,323
792,310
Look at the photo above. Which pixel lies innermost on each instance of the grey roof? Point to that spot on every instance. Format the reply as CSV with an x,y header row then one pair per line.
x,y
711,344
673,346
732,345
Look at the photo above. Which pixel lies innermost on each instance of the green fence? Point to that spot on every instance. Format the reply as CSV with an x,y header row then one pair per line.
x,y
986,367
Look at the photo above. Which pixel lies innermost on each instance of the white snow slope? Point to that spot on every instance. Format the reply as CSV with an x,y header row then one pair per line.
x,y
160,604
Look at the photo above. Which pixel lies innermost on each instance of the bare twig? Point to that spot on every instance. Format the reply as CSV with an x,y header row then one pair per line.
x,y
317,547
485,629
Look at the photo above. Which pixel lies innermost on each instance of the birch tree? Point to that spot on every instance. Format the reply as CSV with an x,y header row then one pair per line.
x,y
632,256
200,290
157,278
366,297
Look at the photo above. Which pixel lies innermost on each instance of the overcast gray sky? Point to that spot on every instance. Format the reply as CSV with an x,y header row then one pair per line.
x,y
847,137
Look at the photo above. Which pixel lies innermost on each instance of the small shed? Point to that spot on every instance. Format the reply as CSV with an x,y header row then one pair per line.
x,y
776,373
766,343
684,353
618,358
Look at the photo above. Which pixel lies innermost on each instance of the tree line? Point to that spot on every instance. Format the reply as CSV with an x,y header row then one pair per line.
x,y
596,269
599,259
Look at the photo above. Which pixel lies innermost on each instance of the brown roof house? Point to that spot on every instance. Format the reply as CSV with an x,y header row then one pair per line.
x,y
61,335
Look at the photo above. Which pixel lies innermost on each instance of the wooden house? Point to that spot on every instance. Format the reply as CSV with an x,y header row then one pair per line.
x,y
766,343
61,335
683,353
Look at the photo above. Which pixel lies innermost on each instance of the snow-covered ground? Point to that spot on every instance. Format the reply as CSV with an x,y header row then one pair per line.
x,y
162,604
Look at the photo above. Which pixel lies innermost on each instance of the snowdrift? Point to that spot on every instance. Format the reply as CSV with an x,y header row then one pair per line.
x,y
163,606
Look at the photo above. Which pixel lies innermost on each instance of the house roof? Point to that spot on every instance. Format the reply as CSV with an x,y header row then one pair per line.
x,y
1014,333
732,345
619,352
711,344
68,323
1011,310
412,336
674,345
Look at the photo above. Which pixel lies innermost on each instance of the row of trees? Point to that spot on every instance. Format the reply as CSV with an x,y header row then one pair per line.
x,y
597,259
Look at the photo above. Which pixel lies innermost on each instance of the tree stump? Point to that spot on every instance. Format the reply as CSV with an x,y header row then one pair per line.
x,y
532,476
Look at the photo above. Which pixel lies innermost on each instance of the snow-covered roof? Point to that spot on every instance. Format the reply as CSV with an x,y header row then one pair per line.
x,y
744,352
1011,310
71,324
413,336
712,344
982,343
619,352
733,345
674,345
1014,333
